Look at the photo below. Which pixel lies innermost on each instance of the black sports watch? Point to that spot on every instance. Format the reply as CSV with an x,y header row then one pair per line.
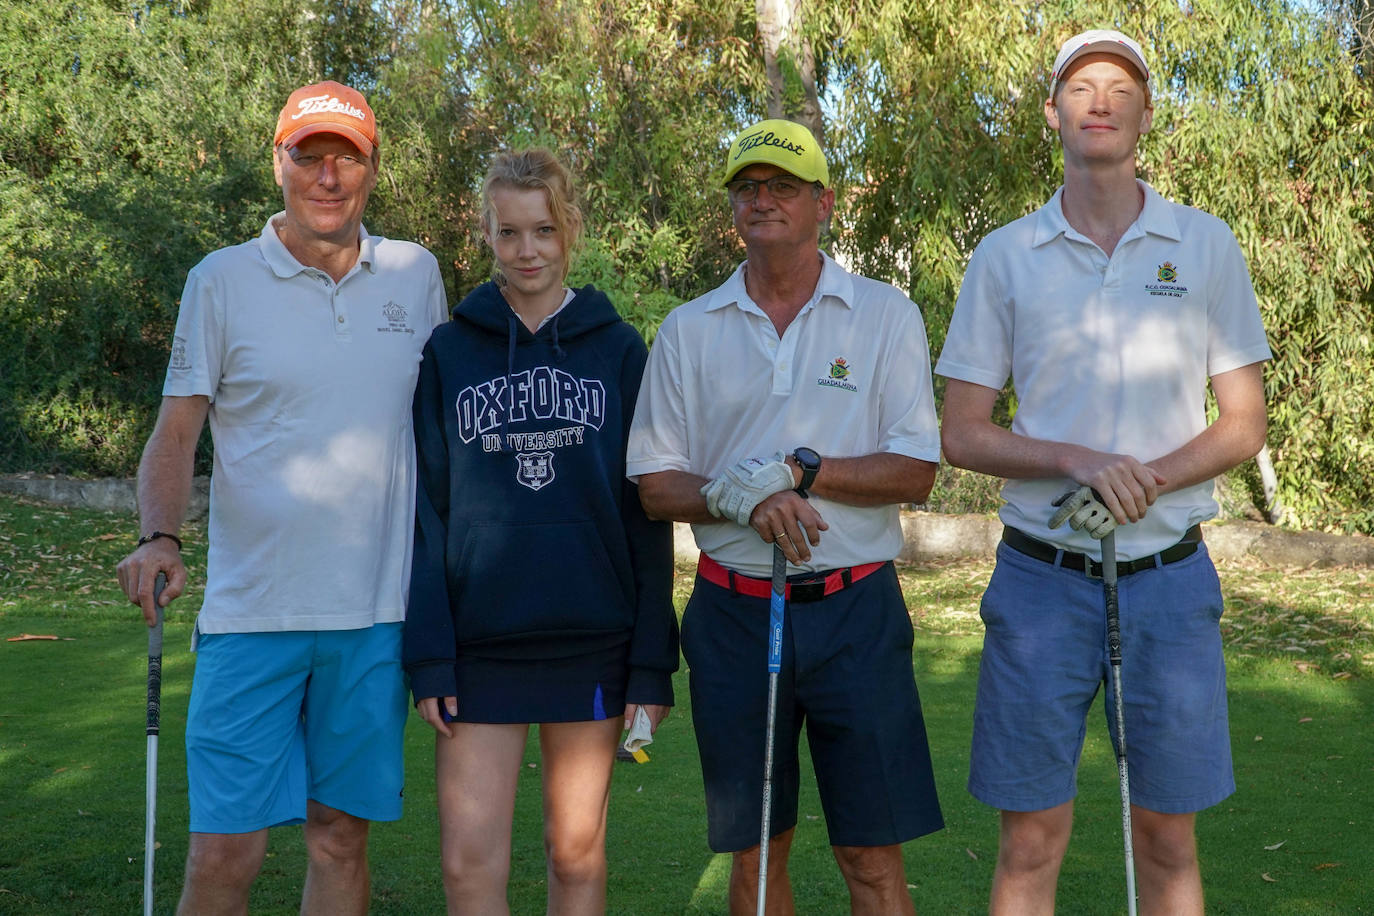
x,y
810,463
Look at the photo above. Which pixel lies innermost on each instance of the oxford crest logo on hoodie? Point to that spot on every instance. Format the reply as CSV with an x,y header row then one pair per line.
x,y
535,469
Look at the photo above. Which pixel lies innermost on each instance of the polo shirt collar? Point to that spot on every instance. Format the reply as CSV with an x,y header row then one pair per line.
x,y
835,282
1156,218
284,263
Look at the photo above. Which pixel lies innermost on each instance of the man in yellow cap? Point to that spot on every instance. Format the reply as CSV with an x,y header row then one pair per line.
x,y
302,348
793,406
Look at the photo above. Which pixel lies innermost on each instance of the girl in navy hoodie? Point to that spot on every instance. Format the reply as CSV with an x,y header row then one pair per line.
x,y
540,592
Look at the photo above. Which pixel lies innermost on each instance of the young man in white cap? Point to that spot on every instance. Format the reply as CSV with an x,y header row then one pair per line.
x,y
1110,308
797,379
302,348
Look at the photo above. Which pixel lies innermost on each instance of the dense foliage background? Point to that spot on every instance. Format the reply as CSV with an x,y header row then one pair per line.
x,y
135,137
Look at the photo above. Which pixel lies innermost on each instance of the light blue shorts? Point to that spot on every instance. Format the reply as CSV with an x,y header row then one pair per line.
x,y
278,718
1045,656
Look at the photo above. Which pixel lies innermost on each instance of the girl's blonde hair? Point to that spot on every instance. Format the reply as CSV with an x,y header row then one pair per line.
x,y
535,169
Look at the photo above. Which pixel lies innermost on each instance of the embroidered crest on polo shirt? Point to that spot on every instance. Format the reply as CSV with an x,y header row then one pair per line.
x,y
395,315
179,361
1168,285
838,377
535,469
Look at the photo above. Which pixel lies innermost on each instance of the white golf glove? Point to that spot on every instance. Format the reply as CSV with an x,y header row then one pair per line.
x,y
1084,512
734,494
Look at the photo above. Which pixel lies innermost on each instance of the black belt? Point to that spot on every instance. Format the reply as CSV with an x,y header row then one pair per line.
x,y
1038,549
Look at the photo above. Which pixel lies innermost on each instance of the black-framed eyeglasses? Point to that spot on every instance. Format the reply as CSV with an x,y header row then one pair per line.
x,y
781,187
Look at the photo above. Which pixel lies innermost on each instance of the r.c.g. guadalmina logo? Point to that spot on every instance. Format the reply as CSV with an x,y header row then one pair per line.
x,y
1168,285
838,377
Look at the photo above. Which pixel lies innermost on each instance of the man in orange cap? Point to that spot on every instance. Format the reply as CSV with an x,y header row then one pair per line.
x,y
301,347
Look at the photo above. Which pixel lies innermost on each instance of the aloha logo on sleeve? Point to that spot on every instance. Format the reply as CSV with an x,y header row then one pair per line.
x,y
395,315
179,361
1168,285
838,376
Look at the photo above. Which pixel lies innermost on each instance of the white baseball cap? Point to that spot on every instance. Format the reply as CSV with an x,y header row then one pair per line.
x,y
1108,41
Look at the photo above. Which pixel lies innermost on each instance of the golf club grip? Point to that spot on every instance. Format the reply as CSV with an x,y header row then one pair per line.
x,y
1109,594
155,660
776,610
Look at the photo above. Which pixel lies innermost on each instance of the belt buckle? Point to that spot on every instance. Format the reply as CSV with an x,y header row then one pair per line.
x,y
1091,568
806,592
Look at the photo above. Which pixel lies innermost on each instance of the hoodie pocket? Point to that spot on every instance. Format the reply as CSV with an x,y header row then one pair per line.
x,y
519,580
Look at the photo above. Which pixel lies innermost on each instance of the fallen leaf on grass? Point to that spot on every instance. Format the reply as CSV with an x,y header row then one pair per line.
x,y
971,854
1340,675
1326,865
1305,667
26,637
1304,719
1276,845
108,537
1259,737
1265,876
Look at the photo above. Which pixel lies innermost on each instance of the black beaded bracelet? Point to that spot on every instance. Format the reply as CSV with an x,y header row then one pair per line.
x,y
160,534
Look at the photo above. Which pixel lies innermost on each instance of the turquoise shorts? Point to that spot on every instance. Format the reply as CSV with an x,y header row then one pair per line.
x,y
1045,658
279,718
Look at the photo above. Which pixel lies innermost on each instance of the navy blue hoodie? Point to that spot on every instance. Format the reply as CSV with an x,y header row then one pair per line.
x,y
529,541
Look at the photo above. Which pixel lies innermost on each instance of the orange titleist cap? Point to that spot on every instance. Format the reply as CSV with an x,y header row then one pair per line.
x,y
327,108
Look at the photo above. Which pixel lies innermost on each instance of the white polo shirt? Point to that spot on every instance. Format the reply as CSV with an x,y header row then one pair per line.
x,y
310,382
1109,353
849,377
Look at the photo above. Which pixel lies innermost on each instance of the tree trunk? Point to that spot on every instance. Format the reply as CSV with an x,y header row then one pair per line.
x,y
789,64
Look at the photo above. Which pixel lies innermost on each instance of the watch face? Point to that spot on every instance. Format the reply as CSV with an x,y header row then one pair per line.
x,y
807,458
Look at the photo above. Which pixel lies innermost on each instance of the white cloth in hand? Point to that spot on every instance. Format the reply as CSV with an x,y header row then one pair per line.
x,y
734,494
1083,512
641,733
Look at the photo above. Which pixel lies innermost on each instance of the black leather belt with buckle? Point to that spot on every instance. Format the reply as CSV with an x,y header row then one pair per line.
x,y
1033,547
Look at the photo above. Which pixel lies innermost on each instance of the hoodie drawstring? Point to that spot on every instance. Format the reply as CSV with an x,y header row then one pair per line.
x,y
558,352
510,375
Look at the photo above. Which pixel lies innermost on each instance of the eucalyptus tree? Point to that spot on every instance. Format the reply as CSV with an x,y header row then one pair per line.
x,y
1261,118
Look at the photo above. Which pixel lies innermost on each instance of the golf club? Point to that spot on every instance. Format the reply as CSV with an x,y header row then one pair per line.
x,y
776,609
1114,656
154,714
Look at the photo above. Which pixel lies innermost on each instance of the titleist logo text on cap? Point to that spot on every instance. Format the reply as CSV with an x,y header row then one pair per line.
x,y
767,138
321,103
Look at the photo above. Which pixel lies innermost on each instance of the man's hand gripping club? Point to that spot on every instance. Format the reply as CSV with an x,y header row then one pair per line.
x,y
734,494
1083,510
757,493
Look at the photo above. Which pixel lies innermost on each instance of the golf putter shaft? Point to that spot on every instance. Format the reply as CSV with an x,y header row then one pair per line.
x,y
154,722
776,609
1114,657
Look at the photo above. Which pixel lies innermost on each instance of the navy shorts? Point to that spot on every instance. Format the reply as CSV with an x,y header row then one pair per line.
x,y
582,688
1045,656
847,674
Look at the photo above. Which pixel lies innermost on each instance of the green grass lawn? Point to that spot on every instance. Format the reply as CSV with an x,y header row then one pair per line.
x,y
1294,839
